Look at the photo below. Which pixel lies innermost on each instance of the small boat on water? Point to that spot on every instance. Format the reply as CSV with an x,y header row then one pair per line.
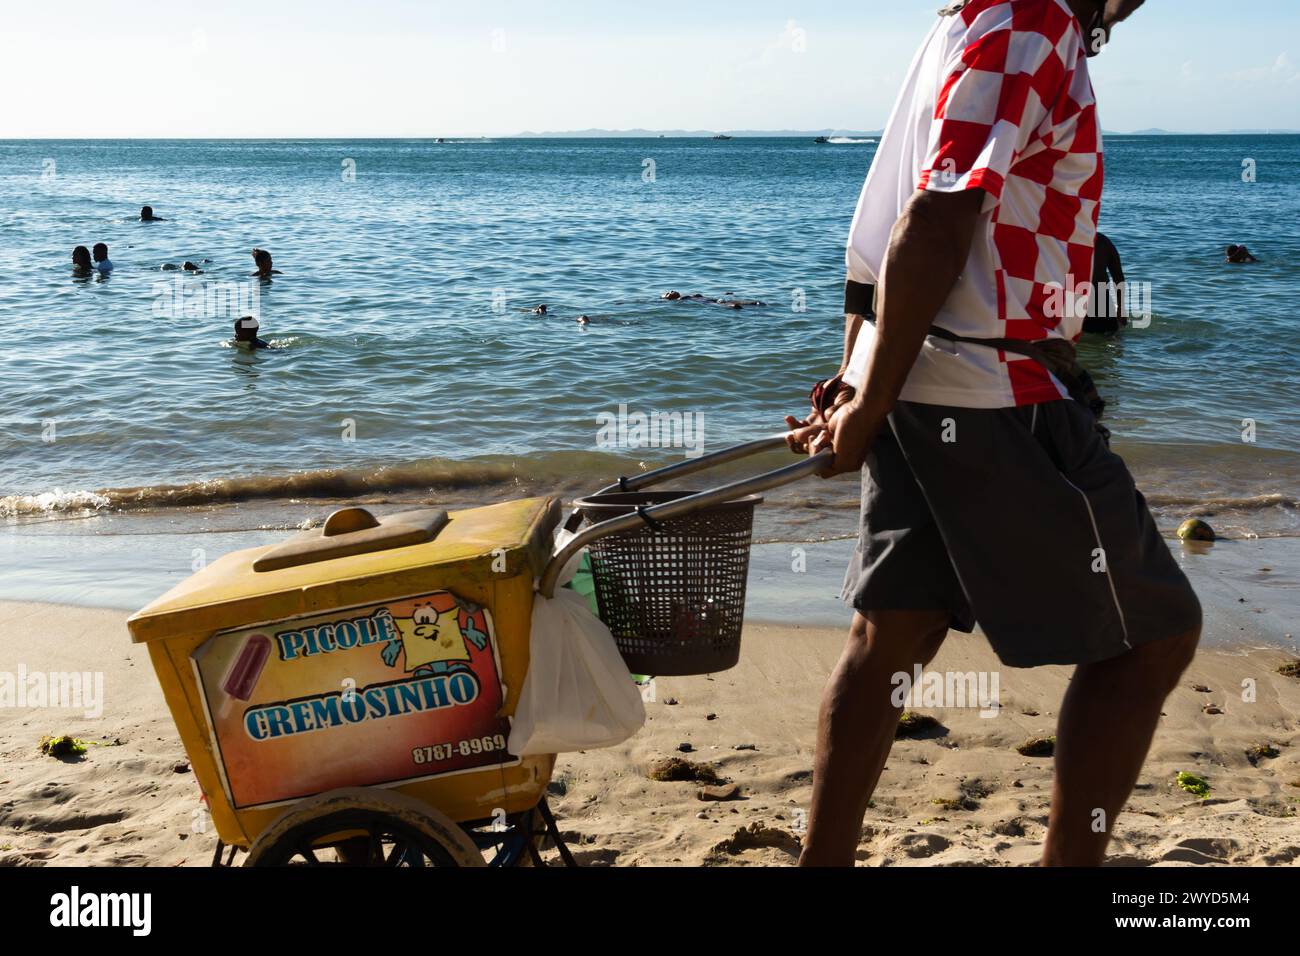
x,y
821,139
722,136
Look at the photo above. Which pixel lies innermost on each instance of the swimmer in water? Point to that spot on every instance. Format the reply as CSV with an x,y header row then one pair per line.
x,y
191,267
727,303
1108,299
146,215
1238,254
81,264
102,262
540,310
246,334
262,259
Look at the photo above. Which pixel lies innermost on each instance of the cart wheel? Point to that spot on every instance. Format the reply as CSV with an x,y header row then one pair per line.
x,y
363,826
508,846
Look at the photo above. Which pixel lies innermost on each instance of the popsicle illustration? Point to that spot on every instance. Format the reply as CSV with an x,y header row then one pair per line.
x,y
246,670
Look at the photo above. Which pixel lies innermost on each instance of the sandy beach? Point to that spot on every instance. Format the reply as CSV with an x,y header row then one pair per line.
x,y
959,794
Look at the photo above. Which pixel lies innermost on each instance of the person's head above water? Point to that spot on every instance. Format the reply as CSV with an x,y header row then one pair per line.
x,y
146,214
262,259
101,252
246,331
81,258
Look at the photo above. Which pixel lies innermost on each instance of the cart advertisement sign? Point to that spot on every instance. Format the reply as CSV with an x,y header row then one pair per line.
x,y
379,694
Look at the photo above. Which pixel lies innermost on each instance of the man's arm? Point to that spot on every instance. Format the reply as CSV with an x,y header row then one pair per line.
x,y
928,249
1116,269
859,305
852,325
801,431
1115,266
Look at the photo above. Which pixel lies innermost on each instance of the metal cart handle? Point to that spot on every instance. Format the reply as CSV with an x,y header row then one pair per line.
x,y
673,509
681,469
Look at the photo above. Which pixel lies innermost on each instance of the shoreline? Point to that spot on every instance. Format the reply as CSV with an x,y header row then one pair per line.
x,y
958,795
1248,488
1250,589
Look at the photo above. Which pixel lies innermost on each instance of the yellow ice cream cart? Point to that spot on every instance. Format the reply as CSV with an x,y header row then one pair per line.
x,y
345,697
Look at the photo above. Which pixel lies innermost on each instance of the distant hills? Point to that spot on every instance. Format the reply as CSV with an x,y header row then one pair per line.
x,y
692,133
814,133
1228,132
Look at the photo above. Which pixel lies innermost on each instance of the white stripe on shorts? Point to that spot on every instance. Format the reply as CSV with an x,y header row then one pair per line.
x,y
1097,535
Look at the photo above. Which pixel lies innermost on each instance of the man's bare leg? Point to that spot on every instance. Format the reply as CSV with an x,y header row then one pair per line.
x,y
855,729
1107,720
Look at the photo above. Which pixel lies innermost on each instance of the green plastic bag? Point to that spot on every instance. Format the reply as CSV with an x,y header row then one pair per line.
x,y
584,585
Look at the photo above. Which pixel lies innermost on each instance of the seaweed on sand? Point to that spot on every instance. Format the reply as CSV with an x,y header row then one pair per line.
x,y
672,769
1261,752
62,746
1193,784
912,724
1037,747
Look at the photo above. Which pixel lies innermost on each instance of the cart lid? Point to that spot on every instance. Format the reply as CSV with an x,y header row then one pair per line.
x,y
353,559
350,531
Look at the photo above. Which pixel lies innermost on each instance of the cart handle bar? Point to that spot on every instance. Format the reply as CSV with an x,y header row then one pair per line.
x,y
681,469
690,466
673,509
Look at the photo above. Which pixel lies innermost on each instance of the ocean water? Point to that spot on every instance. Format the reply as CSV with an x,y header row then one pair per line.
x,y
406,364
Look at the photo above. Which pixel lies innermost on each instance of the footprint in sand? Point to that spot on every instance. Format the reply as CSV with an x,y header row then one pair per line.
x,y
602,857
921,845
1201,850
756,836
64,822
1283,857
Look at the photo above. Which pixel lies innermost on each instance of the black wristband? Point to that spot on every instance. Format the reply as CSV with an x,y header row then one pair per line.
x,y
859,298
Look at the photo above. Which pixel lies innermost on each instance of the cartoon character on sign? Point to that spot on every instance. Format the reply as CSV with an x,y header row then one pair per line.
x,y
435,641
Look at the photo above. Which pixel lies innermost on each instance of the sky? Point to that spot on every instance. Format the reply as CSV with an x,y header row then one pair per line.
x,y
402,68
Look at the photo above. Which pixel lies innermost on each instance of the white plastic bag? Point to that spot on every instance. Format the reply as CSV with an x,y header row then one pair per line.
x,y
560,539
578,694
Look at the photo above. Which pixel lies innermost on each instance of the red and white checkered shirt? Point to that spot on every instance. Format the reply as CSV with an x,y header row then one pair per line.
x,y
998,98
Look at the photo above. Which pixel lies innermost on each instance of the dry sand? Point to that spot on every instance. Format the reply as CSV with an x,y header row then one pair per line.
x,y
125,802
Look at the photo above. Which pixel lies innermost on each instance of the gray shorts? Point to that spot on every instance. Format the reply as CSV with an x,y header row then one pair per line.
x,y
1021,520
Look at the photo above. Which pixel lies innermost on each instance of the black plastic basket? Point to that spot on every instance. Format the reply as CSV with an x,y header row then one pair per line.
x,y
672,592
